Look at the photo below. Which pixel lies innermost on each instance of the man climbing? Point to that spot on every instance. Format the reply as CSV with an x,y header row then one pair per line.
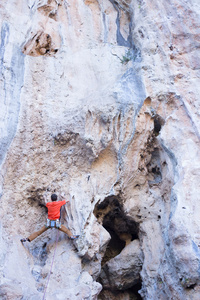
x,y
53,220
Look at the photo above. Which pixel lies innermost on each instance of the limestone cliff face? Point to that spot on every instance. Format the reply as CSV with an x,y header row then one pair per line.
x,y
100,102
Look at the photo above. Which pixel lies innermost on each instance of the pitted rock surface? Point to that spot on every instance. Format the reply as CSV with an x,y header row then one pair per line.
x,y
100,103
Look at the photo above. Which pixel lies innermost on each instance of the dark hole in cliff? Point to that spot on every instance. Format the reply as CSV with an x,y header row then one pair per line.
x,y
157,126
158,123
131,293
154,170
114,247
135,290
192,286
122,228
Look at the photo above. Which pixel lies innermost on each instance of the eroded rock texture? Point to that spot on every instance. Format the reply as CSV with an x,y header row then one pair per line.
x,y
100,102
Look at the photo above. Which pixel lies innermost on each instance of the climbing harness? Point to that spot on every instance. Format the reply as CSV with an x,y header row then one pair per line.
x,y
57,235
53,223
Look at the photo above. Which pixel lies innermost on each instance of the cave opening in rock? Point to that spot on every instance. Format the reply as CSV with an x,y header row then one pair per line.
x,y
158,123
157,126
114,247
129,294
134,291
123,229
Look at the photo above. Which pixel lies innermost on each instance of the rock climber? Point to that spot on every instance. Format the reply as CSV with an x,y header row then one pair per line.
x,y
53,220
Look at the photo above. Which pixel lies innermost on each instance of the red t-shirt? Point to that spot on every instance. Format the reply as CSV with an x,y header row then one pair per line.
x,y
54,209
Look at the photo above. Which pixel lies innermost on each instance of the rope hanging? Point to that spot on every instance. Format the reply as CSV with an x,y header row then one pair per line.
x,y
57,235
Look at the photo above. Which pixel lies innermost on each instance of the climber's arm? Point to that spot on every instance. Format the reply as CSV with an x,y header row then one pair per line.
x,y
63,202
63,198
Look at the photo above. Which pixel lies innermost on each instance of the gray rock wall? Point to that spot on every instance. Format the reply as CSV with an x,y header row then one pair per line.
x,y
99,103
12,78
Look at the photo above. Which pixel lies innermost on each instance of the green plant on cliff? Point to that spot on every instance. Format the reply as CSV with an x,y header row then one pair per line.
x,y
126,58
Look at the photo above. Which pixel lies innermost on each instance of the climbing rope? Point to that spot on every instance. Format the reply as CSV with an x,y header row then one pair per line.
x,y
57,235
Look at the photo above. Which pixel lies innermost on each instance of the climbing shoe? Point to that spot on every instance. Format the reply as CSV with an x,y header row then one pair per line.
x,y
74,237
25,240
